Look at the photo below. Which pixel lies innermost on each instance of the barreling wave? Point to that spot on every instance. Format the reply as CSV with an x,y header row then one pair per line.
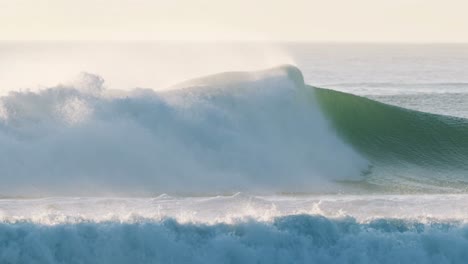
x,y
288,239
262,131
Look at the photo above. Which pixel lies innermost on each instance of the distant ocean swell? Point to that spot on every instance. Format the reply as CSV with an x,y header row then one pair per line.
x,y
288,239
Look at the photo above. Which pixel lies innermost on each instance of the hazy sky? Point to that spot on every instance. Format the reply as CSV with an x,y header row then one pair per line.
x,y
286,20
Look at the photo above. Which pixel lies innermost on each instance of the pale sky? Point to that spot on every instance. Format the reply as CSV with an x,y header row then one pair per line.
x,y
199,20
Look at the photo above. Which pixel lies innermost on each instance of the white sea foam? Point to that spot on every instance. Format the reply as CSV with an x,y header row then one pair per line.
x,y
233,131
291,239
235,229
231,209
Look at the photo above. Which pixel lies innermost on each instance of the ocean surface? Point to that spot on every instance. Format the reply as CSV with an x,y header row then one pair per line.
x,y
233,153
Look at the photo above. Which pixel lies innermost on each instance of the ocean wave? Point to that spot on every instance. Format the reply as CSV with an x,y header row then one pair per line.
x,y
288,239
409,150
237,131
264,132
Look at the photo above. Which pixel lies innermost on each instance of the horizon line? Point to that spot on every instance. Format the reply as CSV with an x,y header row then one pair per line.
x,y
227,41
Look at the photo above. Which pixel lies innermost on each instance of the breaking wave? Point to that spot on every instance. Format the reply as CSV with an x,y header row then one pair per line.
x,y
288,239
262,131
228,132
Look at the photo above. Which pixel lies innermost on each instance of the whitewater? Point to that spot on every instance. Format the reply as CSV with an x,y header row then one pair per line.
x,y
235,229
224,133
233,167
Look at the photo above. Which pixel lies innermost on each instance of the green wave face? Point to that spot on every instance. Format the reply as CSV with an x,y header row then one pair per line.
x,y
409,150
